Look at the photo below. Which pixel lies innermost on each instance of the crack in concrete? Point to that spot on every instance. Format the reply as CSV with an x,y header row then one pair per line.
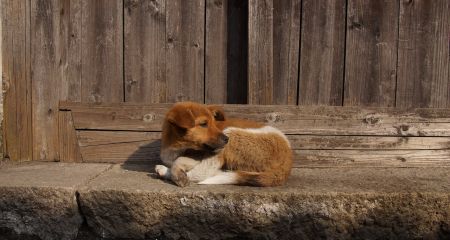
x,y
89,180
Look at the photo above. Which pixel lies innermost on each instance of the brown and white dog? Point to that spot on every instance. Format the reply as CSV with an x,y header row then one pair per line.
x,y
200,144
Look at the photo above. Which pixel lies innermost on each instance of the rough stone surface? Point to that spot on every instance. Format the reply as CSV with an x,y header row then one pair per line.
x,y
38,200
338,203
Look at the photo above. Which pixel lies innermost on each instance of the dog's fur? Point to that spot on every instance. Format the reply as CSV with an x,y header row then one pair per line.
x,y
200,144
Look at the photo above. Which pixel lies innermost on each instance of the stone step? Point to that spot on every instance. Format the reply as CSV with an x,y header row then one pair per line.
x,y
83,201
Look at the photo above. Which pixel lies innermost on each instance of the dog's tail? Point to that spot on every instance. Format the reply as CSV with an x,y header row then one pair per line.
x,y
257,179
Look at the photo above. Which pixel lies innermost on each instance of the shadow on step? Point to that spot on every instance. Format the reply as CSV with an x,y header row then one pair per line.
x,y
144,158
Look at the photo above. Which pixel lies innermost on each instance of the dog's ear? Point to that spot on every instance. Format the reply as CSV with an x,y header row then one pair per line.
x,y
217,112
181,117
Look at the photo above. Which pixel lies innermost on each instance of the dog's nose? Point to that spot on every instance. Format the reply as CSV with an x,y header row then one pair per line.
x,y
224,138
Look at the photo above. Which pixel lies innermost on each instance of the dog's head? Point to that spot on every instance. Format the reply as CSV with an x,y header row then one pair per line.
x,y
191,125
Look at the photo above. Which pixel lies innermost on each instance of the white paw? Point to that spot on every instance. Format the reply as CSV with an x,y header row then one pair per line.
x,y
228,130
161,170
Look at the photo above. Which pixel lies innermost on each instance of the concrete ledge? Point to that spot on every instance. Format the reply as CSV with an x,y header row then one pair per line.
x,y
39,200
127,202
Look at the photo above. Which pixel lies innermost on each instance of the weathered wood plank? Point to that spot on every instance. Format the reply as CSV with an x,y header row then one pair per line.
x,y
99,138
298,142
145,59
309,151
371,158
314,142
216,51
260,52
118,147
237,51
71,55
322,52
55,64
102,51
286,47
47,49
185,29
273,33
68,148
290,119
371,53
424,52
17,118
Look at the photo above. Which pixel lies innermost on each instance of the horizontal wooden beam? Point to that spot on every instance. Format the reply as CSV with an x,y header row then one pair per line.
x,y
133,147
319,136
318,120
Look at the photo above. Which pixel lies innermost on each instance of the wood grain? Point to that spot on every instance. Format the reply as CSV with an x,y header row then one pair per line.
x,y
68,148
260,52
145,58
286,41
185,29
322,52
309,151
47,49
55,69
424,52
371,53
314,142
371,158
216,51
119,147
71,58
102,51
17,118
291,119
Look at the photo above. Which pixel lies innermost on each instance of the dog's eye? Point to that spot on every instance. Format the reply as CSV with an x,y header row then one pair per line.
x,y
204,124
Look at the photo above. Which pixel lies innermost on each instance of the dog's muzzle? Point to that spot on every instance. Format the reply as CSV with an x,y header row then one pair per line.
x,y
216,146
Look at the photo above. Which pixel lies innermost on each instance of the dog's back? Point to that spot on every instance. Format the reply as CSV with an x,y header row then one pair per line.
x,y
255,156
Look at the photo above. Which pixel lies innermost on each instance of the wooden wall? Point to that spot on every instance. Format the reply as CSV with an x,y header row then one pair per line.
x,y
378,53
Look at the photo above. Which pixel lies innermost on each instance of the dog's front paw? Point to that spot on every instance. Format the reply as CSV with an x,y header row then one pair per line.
x,y
161,170
180,178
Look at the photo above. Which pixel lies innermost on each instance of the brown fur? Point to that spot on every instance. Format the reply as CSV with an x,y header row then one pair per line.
x,y
265,160
259,159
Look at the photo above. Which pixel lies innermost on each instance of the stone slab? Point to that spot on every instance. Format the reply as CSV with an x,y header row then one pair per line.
x,y
334,203
38,200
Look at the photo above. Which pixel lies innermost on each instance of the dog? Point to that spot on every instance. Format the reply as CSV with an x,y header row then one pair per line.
x,y
199,144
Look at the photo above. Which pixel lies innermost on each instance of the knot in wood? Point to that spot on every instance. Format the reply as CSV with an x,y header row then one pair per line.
x,y
113,115
180,97
149,117
273,117
402,130
218,3
371,119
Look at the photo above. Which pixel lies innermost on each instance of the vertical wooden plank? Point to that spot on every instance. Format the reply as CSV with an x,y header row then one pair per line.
x,y
17,127
237,51
260,52
102,51
371,53
145,59
274,32
286,41
46,56
55,61
216,51
322,52
69,150
185,29
71,55
423,56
